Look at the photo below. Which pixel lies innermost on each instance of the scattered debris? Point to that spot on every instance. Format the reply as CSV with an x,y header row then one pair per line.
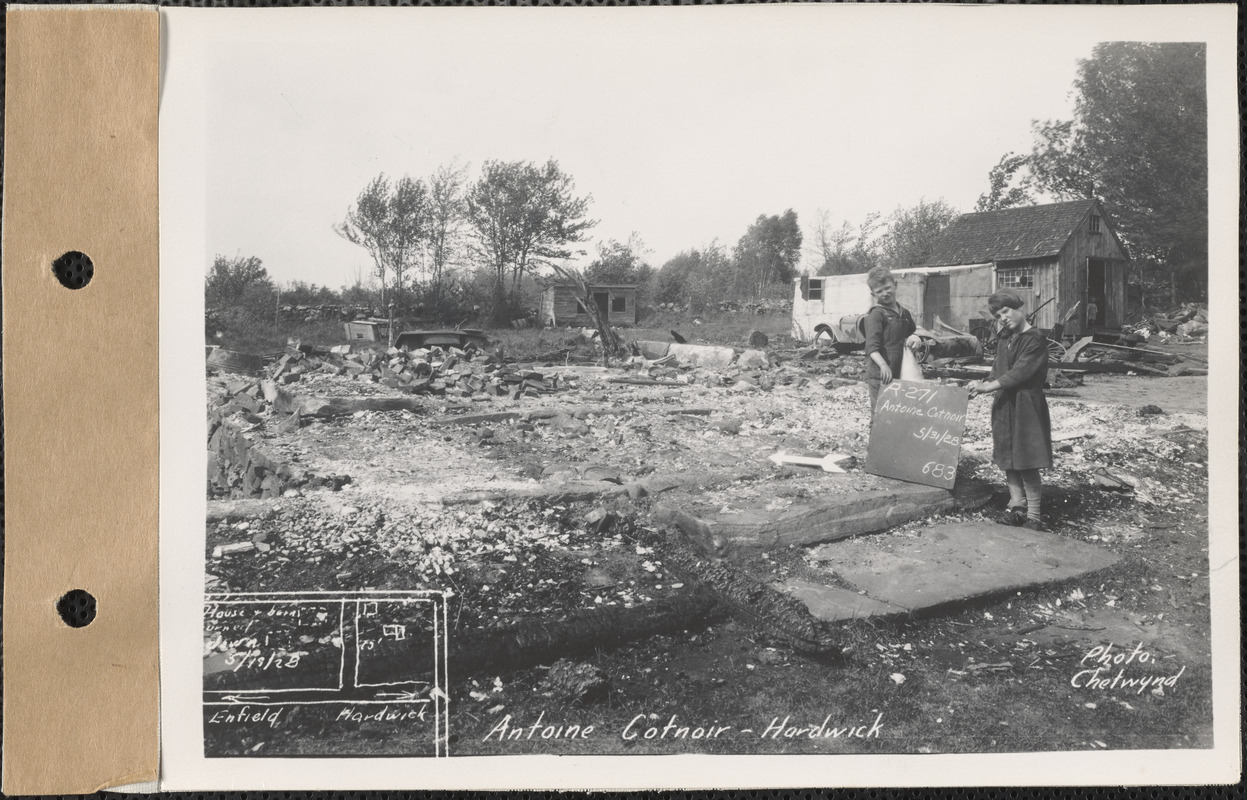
x,y
573,682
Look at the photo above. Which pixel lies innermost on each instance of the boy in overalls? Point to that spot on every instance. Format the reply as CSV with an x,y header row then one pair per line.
x,y
888,328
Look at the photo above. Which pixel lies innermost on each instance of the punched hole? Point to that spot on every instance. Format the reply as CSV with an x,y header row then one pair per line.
x,y
77,608
74,270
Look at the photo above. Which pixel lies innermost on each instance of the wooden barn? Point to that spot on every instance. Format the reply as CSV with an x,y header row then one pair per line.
x,y
561,304
1064,252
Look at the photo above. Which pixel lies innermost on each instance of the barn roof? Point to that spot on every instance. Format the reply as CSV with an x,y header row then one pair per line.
x,y
1011,233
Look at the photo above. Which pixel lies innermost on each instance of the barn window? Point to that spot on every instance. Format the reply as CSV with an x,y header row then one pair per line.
x,y
619,304
815,291
1015,277
1095,223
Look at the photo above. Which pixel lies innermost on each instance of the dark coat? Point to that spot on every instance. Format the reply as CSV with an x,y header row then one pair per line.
x,y
886,331
1021,429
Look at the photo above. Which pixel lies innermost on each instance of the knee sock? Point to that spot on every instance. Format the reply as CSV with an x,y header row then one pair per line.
x,y
1017,497
1034,492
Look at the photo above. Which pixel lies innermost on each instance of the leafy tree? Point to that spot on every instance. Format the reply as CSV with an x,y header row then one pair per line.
x,y
1138,142
448,215
845,250
671,283
696,278
1009,184
230,278
911,232
301,293
524,217
392,223
620,262
768,253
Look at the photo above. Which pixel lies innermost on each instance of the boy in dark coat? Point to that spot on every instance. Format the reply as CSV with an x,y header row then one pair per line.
x,y
888,328
1021,429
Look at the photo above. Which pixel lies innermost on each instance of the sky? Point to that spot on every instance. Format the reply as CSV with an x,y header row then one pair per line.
x,y
683,124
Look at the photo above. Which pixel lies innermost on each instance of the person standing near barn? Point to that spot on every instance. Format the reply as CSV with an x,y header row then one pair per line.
x,y
1021,428
888,328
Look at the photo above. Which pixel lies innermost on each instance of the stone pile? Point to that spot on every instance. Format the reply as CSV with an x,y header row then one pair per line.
x,y
435,370
238,468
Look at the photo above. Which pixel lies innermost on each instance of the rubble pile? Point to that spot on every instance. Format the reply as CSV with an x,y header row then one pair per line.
x,y
237,468
434,370
1135,358
746,369
1187,322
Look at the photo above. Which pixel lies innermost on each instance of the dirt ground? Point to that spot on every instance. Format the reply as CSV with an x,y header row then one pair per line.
x,y
499,513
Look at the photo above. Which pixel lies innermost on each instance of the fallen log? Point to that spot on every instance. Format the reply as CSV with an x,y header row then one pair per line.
x,y
582,633
324,407
235,510
639,381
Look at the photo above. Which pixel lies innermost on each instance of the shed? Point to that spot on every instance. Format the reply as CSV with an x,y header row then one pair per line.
x,y
1067,252
561,304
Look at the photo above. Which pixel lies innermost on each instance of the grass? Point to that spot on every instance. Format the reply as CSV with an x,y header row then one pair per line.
x,y
253,336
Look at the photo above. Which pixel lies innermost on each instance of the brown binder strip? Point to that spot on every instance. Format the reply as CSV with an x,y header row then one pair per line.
x,y
80,395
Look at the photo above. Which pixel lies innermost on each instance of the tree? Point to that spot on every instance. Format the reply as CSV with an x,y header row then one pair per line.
x,y
392,224
1009,184
230,278
448,214
524,217
695,278
767,254
845,250
620,262
302,293
1138,141
911,232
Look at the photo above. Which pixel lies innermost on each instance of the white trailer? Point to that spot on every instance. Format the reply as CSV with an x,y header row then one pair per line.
x,y
831,305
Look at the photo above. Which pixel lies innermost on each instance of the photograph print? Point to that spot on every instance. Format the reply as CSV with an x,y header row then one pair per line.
x,y
735,381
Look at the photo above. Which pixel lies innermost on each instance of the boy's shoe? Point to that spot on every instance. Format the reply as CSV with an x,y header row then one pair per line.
x,y
1032,524
1012,515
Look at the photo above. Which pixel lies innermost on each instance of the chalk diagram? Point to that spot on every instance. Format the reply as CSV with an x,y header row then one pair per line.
x,y
376,656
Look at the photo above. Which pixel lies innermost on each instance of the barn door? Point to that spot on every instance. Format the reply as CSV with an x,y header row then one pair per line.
x,y
937,301
1097,293
603,301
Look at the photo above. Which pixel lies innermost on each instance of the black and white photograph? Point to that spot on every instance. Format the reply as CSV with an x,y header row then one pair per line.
x,y
743,381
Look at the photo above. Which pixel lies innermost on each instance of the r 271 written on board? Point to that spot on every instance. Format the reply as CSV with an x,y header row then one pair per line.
x,y
917,431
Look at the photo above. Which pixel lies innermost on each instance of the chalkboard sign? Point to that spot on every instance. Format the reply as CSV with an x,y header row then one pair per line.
x,y
917,431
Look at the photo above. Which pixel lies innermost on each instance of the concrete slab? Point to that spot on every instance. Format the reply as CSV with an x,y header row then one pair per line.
x,y
857,504
960,561
833,604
